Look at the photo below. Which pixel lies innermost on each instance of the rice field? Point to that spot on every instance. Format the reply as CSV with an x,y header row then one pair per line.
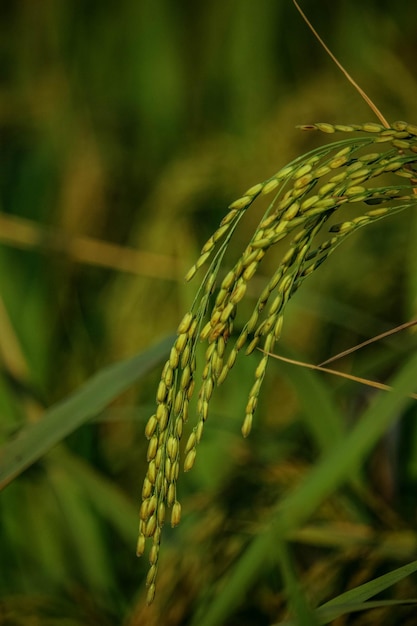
x,y
163,201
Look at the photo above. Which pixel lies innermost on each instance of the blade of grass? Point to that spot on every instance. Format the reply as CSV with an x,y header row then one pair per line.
x,y
26,234
39,522
105,496
331,613
387,545
371,588
304,614
89,557
331,472
63,418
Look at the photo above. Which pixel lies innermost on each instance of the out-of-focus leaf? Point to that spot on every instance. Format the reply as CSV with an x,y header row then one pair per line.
x,y
320,413
82,529
104,495
305,615
63,418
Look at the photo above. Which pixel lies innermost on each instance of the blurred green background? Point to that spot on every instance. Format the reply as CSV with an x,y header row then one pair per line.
x,y
126,130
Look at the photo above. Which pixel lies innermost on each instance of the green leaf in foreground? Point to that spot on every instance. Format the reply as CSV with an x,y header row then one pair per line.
x,y
370,589
356,599
66,416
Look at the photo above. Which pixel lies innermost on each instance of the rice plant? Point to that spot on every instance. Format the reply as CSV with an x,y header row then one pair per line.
x,y
305,194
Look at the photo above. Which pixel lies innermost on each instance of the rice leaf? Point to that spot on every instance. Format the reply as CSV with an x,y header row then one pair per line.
x,y
66,416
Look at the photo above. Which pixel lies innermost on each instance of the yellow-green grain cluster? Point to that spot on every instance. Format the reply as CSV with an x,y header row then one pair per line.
x,y
305,194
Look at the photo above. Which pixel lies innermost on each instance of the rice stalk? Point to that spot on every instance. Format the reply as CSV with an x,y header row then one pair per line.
x,y
305,194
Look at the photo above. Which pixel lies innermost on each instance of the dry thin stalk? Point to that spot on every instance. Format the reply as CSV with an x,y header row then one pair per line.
x,y
326,370
384,335
335,60
359,89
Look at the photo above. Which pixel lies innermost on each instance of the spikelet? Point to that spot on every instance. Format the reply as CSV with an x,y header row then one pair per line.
x,y
304,194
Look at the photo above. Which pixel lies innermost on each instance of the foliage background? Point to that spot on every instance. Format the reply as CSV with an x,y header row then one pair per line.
x,y
126,130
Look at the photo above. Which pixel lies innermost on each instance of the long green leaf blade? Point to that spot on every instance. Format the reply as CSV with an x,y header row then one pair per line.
x,y
65,417
370,589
